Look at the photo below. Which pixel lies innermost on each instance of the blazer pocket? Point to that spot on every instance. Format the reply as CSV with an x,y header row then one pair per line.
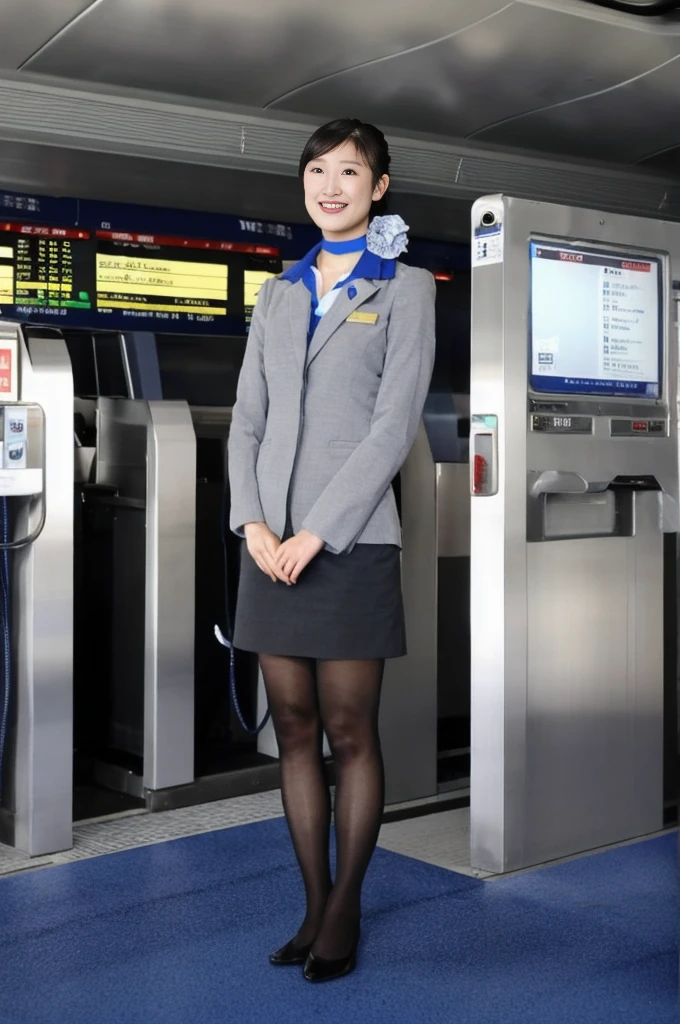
x,y
347,445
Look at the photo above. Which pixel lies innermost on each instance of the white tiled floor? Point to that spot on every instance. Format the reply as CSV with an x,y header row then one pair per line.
x,y
441,838
125,832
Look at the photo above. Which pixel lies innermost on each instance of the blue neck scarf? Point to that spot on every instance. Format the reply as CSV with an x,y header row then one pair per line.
x,y
340,248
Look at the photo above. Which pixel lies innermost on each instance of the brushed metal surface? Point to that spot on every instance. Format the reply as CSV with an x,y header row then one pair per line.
x,y
453,510
408,714
25,27
147,450
595,693
42,585
240,53
521,60
120,459
497,581
625,124
170,585
567,644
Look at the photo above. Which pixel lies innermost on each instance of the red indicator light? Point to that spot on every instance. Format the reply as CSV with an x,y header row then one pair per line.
x,y
639,425
479,473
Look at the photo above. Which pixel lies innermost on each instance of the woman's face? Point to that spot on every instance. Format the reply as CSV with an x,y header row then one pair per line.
x,y
339,191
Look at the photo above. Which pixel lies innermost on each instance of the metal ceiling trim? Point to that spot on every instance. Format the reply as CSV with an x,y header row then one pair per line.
x,y
50,112
656,23
640,8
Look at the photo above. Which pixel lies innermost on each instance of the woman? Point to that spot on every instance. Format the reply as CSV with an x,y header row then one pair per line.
x,y
334,379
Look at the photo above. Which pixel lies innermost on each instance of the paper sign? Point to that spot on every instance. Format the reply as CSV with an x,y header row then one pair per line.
x,y
487,245
5,370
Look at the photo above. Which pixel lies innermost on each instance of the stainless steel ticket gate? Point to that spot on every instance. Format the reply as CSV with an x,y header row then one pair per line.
x,y
36,589
574,479
146,455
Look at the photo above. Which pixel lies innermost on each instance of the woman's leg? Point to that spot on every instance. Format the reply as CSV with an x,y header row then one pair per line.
x,y
349,695
291,691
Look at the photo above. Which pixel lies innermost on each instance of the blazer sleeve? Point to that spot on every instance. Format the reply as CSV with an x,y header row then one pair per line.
x,y
343,509
248,422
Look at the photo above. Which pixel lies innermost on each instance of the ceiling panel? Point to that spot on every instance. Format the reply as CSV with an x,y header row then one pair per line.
x,y
243,53
522,59
25,25
624,125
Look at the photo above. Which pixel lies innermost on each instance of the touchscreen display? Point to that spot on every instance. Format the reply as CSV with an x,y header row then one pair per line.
x,y
596,323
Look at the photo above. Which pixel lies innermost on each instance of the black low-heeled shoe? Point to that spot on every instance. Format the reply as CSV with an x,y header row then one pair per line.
x,y
318,969
290,955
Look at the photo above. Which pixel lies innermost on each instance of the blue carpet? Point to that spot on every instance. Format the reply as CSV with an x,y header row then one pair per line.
x,y
179,934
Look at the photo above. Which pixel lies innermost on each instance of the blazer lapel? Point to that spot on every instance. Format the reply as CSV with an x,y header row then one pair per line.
x,y
299,310
339,311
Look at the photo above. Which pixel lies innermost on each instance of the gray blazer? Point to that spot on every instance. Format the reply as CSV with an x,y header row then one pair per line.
x,y
318,435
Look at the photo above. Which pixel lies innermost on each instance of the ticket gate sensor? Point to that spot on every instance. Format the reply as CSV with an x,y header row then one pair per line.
x,y
36,589
574,480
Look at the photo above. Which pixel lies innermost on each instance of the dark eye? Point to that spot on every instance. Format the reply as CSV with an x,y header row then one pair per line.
x,y
315,169
348,170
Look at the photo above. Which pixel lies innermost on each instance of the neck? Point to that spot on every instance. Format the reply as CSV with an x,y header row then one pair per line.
x,y
341,252
337,264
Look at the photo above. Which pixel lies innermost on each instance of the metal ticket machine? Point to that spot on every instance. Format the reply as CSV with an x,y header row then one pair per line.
x,y
574,480
36,589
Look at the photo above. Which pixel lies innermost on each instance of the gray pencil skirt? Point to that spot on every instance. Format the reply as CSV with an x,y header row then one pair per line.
x,y
342,607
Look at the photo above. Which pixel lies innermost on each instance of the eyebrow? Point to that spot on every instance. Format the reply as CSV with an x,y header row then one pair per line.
x,y
355,163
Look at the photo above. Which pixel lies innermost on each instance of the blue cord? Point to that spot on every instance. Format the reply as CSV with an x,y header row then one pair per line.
x,y
5,632
232,686
226,638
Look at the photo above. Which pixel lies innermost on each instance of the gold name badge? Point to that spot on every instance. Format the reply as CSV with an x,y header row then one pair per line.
x,y
362,318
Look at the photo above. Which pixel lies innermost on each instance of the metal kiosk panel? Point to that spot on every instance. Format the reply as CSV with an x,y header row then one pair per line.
x,y
574,480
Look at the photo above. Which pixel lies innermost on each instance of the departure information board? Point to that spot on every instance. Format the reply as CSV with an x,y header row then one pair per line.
x,y
114,280
596,321
44,269
253,281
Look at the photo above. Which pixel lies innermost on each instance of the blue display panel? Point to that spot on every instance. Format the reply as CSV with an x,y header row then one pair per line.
x,y
596,322
115,280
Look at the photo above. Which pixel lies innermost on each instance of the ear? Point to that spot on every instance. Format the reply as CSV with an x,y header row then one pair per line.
x,y
381,188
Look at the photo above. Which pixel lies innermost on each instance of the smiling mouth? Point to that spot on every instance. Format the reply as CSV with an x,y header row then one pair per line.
x,y
333,207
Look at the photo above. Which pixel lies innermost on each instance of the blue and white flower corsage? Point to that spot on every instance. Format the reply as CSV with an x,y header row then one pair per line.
x,y
387,236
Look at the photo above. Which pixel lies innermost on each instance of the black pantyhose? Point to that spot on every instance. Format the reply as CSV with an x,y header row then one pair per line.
x,y
292,696
343,697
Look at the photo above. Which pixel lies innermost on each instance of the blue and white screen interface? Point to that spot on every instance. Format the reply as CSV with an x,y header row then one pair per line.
x,y
596,324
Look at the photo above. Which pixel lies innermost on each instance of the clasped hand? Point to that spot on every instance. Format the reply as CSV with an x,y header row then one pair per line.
x,y
280,561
